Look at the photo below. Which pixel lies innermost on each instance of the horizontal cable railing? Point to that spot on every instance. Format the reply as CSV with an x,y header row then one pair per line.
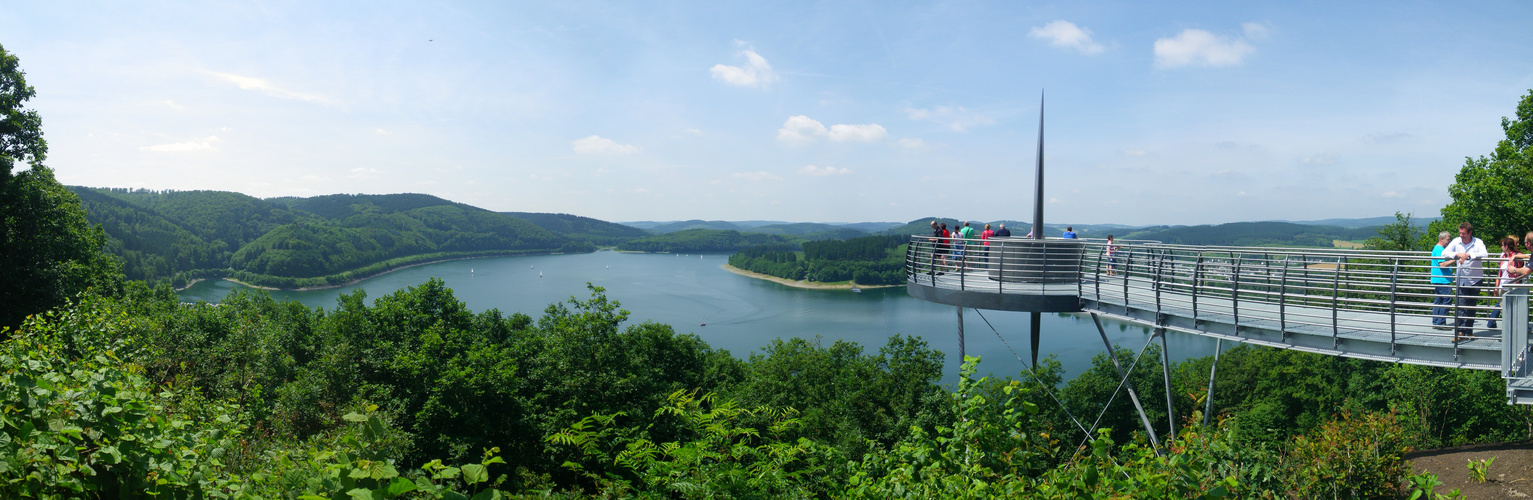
x,y
1292,289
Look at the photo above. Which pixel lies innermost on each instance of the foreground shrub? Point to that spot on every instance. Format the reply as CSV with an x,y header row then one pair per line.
x,y
1350,457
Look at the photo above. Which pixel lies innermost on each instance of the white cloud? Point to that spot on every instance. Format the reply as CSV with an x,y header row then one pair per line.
x,y
756,73
181,147
694,132
756,176
800,129
1392,194
174,106
1194,46
953,117
867,132
597,145
364,173
382,132
823,171
912,143
265,87
1066,34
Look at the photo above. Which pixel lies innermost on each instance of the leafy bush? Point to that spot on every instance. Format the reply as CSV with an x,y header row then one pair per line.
x,y
1351,457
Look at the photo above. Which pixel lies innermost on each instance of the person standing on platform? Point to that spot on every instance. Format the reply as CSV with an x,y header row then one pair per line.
x,y
1468,254
986,235
1006,233
1069,232
939,248
1510,262
1442,286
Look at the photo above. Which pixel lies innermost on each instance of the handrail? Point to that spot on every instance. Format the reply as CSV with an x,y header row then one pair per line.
x,y
1227,281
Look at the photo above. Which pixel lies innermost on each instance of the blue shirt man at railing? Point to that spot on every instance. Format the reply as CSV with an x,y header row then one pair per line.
x,y
1442,286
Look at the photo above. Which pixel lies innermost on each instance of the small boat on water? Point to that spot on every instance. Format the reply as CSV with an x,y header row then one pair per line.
x,y
540,274
856,290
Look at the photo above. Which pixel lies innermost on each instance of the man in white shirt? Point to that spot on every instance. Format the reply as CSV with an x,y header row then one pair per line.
x,y
1468,253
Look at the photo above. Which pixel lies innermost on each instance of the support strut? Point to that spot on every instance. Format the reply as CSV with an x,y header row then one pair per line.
x,y
1208,399
1132,394
1165,371
961,353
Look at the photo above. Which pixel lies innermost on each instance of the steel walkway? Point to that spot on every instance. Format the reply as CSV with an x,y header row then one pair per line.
x,y
1352,303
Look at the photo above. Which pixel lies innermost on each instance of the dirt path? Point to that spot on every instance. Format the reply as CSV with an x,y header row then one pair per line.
x,y
1510,476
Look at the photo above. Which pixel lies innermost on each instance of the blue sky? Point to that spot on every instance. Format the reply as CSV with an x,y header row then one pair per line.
x,y
1202,112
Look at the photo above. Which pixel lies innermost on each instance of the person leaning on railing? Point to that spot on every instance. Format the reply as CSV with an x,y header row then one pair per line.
x,y
1442,285
1469,254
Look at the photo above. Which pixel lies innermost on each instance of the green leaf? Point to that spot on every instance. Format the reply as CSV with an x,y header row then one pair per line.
x,y
475,474
400,486
489,495
354,417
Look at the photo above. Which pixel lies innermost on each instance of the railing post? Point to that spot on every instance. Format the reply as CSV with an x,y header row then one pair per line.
x,y
1235,292
1197,269
1394,279
1128,263
1160,270
1000,269
963,264
1335,301
1283,300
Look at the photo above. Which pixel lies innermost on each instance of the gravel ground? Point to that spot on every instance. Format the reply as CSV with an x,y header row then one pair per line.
x,y
1510,476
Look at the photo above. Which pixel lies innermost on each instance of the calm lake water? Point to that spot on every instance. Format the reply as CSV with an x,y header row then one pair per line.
x,y
744,314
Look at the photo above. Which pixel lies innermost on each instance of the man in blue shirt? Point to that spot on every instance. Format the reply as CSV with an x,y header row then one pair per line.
x,y
1069,232
1441,284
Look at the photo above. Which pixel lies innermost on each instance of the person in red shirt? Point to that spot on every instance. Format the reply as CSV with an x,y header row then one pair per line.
x,y
985,236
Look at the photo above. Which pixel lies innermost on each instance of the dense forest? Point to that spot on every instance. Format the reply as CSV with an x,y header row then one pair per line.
x,y
869,260
176,236
700,240
598,232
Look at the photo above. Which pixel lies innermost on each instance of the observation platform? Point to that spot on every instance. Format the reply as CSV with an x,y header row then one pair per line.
x,y
1352,303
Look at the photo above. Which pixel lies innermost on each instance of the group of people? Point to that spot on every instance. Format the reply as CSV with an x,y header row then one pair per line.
x,y
1458,277
952,244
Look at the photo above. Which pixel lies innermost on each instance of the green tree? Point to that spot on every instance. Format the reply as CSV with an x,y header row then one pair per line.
x,y
1401,235
48,252
1495,193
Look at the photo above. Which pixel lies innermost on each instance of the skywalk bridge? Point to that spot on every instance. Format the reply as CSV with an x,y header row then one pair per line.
x,y
1353,303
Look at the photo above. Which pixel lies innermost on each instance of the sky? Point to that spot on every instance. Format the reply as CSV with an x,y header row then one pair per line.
x,y
845,111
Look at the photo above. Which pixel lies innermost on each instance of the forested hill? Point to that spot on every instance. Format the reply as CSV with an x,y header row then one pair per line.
x,y
1253,234
596,231
300,242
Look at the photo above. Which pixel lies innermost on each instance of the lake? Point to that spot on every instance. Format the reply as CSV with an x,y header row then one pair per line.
x,y
744,314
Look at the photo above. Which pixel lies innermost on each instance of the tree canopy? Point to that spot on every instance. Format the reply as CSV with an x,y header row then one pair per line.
x,y
1495,193
48,252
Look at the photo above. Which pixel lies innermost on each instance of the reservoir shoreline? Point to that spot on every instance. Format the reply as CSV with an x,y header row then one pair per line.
x,y
810,285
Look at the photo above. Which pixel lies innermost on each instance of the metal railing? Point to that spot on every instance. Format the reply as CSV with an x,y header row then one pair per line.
x,y
1293,288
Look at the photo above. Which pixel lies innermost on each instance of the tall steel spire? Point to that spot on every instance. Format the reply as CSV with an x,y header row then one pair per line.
x,y
1038,186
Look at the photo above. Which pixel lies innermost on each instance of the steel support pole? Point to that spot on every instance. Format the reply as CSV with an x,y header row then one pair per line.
x,y
961,353
1208,399
1132,394
1165,371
